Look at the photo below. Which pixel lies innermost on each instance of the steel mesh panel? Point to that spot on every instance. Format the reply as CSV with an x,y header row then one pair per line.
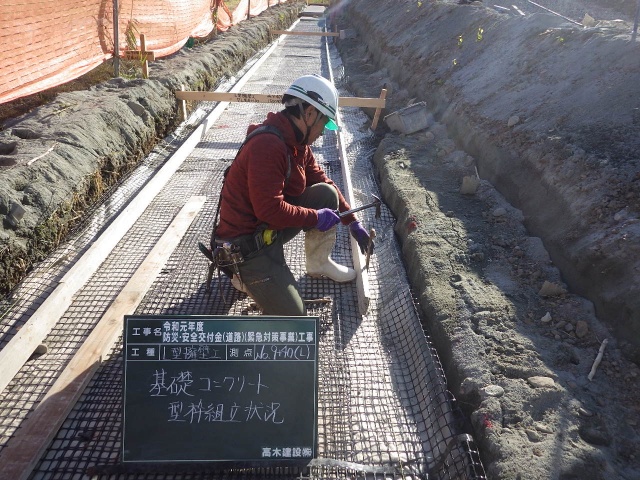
x,y
384,408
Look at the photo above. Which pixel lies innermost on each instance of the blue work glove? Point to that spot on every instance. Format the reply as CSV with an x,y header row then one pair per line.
x,y
327,218
361,235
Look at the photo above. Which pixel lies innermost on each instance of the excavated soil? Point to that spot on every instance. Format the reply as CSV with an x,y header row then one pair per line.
x,y
518,209
517,206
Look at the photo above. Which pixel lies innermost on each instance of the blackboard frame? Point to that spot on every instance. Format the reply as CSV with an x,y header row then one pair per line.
x,y
270,392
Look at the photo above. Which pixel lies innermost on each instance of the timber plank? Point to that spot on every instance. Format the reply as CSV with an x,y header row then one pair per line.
x,y
24,450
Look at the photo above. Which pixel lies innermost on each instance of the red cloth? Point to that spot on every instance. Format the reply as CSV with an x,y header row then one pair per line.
x,y
253,191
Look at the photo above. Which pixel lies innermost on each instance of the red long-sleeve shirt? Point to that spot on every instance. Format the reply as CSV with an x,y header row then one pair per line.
x,y
254,190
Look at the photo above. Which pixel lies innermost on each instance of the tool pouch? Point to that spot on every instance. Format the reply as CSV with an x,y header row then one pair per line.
x,y
226,258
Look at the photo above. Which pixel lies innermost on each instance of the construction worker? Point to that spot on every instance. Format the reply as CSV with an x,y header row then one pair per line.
x,y
274,189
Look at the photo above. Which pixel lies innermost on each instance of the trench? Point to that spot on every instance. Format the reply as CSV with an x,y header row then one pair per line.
x,y
384,409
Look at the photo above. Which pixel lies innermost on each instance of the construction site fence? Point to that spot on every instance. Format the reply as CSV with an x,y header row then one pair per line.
x,y
45,43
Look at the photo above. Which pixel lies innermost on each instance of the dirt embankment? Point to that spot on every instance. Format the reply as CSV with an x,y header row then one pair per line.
x,y
550,112
60,157
546,114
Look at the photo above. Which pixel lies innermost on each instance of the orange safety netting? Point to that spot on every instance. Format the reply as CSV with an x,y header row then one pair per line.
x,y
45,43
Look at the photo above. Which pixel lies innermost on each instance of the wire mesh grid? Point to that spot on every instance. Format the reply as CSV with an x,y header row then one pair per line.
x,y
384,411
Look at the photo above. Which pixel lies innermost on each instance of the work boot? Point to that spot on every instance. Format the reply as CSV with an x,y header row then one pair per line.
x,y
318,246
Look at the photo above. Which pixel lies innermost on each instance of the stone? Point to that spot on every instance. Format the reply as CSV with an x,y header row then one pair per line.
x,y
499,212
470,185
588,21
582,329
541,427
532,435
492,391
550,289
541,382
584,412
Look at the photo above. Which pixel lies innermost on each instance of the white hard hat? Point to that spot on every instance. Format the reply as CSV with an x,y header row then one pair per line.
x,y
319,92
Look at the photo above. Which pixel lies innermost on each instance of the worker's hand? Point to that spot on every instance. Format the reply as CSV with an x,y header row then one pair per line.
x,y
361,235
327,218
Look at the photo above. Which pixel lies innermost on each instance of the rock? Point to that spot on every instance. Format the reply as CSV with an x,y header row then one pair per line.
x,y
492,391
470,185
584,412
513,121
550,289
588,21
469,386
541,427
546,318
594,434
582,328
499,212
541,382
533,435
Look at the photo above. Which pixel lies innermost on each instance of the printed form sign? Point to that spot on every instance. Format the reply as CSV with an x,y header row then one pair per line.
x,y
220,389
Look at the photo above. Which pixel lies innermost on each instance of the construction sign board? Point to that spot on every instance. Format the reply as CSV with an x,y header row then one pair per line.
x,y
220,389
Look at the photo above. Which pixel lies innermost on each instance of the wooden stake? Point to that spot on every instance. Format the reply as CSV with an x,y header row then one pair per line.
x,y
143,55
143,49
183,106
376,116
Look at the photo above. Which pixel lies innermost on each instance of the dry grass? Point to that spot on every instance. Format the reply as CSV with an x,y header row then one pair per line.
x,y
231,4
26,104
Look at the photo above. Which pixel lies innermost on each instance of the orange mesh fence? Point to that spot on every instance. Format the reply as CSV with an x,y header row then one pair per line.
x,y
45,43
256,7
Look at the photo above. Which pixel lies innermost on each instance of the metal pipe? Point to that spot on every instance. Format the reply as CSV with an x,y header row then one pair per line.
x,y
555,13
116,41
635,23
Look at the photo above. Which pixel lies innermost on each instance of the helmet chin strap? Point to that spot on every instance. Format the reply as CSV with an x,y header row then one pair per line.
x,y
305,140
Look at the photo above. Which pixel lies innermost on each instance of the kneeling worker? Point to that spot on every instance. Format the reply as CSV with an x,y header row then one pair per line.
x,y
274,189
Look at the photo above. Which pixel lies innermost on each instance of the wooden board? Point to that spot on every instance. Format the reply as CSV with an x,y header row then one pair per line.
x,y
24,450
309,34
15,353
361,102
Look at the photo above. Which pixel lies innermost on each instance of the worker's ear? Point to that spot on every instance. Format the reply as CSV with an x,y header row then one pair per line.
x,y
309,111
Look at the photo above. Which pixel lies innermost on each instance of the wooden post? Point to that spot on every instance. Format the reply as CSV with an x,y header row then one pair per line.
x,y
144,55
376,116
143,49
183,106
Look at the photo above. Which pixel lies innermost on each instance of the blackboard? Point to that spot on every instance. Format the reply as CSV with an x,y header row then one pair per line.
x,y
219,389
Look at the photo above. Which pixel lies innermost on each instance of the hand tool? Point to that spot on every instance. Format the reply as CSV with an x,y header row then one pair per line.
x,y
372,235
376,203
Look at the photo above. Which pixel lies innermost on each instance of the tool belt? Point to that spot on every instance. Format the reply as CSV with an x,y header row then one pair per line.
x,y
245,245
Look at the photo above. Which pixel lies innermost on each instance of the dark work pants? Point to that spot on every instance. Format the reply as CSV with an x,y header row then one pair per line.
x,y
266,274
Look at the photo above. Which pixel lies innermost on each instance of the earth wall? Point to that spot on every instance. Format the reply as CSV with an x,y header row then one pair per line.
x,y
549,111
